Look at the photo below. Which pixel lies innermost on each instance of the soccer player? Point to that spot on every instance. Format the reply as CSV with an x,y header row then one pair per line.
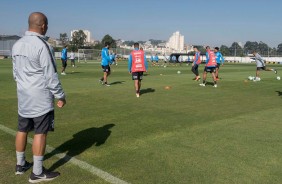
x,y
105,63
35,72
219,61
261,65
173,59
196,63
152,60
72,58
137,64
64,58
210,66
156,58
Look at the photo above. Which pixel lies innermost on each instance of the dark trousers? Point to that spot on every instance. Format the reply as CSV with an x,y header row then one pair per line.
x,y
195,70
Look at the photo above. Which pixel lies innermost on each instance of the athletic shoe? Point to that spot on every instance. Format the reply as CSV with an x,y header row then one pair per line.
x,y
21,169
275,71
107,85
137,95
202,84
44,176
63,73
215,86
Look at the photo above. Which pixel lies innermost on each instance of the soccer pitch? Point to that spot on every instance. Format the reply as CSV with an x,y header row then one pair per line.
x,y
187,134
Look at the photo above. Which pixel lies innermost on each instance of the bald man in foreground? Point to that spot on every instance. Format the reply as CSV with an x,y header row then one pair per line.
x,y
34,70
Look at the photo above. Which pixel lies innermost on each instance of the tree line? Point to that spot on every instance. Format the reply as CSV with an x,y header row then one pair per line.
x,y
78,41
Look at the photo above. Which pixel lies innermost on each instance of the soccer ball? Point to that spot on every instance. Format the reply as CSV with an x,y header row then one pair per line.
x,y
278,77
251,78
256,79
179,72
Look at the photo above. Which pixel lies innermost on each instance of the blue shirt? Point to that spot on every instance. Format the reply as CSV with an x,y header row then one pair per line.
x,y
64,54
219,58
130,61
106,60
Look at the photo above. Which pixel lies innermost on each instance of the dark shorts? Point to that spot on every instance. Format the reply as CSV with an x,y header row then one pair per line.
x,y
64,63
218,65
261,68
210,69
72,60
106,68
40,125
137,75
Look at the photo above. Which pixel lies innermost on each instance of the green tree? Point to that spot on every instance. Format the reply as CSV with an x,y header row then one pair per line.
x,y
249,47
78,40
64,38
279,49
225,50
236,49
109,39
263,48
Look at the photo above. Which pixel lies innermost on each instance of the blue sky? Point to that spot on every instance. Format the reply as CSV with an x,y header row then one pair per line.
x,y
203,22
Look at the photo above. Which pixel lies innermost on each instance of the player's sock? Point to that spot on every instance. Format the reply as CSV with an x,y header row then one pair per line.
x,y
204,82
37,165
20,158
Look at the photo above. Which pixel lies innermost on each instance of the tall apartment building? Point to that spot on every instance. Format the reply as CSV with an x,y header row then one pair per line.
x,y
176,42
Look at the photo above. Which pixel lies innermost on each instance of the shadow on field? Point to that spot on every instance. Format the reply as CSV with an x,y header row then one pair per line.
x,y
117,82
148,90
210,83
80,142
73,72
279,93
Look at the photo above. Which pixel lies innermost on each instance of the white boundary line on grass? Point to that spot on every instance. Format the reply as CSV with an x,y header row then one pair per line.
x,y
83,165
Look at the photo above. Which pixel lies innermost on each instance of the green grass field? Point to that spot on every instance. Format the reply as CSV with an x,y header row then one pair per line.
x,y
188,134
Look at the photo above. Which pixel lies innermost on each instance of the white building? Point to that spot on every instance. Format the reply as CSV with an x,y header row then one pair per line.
x,y
86,32
176,42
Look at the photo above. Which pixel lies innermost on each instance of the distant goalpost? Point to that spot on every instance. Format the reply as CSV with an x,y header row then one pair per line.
x,y
88,55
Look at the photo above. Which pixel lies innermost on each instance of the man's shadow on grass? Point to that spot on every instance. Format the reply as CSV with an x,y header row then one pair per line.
x,y
148,90
117,82
279,93
80,142
209,83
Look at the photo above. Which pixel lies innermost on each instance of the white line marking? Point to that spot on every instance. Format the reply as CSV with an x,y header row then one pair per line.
x,y
83,165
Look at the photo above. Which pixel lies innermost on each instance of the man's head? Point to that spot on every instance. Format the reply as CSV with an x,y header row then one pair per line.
x,y
66,46
107,44
136,45
254,52
195,49
38,23
216,49
208,48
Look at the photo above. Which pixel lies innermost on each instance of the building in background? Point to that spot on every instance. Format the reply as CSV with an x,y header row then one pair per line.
x,y
86,32
6,44
176,42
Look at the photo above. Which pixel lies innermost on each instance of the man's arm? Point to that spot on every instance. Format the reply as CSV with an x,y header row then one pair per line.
x,y
207,57
129,63
222,58
50,76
